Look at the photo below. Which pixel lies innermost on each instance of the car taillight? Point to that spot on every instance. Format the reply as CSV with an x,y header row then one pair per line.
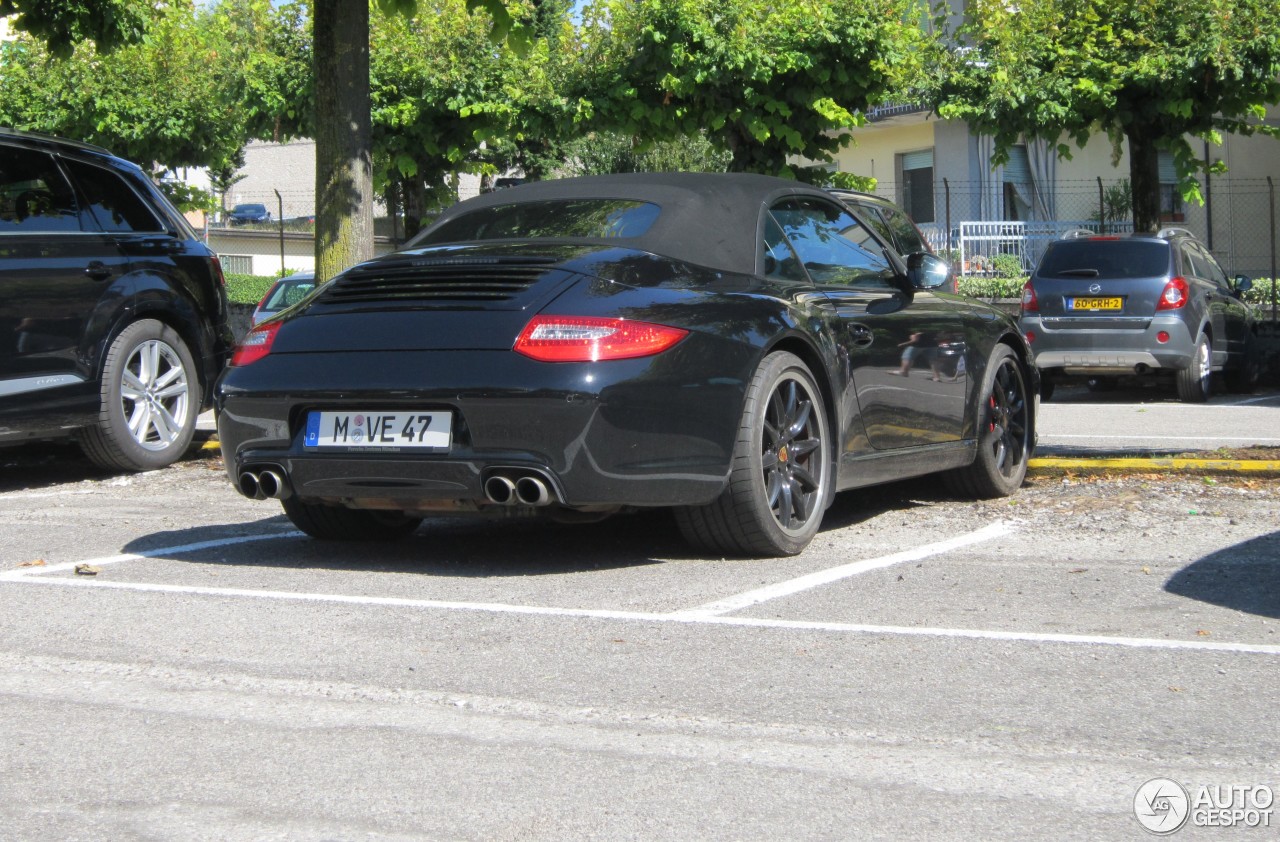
x,y
218,274
563,339
1030,304
256,344
1174,296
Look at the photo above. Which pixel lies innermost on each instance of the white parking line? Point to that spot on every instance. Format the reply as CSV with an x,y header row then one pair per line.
x,y
162,552
37,576
835,574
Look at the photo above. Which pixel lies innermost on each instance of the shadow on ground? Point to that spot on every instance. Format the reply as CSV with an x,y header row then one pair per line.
x,y
1245,577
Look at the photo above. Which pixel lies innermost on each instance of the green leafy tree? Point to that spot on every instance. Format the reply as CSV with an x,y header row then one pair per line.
x,y
340,115
163,100
1144,72
767,82
64,24
600,152
343,125
224,176
424,71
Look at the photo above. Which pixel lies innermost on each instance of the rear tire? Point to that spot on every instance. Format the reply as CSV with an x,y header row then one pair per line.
x,y
781,473
1195,382
150,399
1005,421
338,523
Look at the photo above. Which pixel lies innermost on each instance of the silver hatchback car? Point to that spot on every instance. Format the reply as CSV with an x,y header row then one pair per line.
x,y
1101,307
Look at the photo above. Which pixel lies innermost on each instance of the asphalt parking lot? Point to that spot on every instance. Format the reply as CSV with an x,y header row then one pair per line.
x,y
178,663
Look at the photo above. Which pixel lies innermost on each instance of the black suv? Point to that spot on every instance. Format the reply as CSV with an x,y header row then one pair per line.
x,y
113,315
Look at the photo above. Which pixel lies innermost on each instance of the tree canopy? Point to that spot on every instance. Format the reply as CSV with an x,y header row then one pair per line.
x,y
1143,71
768,82
172,98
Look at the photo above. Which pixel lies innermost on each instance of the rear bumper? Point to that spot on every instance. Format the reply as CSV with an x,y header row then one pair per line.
x,y
1080,350
624,433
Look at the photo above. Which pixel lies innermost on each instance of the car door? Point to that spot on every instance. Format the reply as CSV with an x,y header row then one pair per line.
x,y
1198,267
52,277
1234,313
904,395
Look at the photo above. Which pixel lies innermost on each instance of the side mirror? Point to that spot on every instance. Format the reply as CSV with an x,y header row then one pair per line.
x,y
1242,283
927,271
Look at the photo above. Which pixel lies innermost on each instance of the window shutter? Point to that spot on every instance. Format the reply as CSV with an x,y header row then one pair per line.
x,y
1018,169
1168,172
921,160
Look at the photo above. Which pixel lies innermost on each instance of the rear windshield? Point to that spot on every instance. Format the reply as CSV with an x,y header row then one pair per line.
x,y
552,219
1105,259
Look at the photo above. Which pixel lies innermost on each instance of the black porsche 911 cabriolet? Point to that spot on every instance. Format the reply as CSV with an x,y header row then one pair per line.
x,y
738,348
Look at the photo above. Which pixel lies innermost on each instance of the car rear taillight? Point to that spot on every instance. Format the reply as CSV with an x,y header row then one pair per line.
x,y
256,344
1174,296
564,339
218,274
1030,304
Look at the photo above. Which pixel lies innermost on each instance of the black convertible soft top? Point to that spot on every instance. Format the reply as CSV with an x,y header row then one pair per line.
x,y
708,219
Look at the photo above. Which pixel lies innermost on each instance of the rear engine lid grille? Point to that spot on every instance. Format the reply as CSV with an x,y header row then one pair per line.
x,y
444,282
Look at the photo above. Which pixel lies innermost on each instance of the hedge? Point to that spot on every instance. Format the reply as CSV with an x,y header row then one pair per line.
x,y
247,289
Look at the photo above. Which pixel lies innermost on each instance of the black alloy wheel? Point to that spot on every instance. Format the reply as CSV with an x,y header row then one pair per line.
x,y
1004,432
779,483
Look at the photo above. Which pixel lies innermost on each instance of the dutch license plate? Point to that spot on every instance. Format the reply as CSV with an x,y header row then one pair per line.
x,y
379,430
1094,303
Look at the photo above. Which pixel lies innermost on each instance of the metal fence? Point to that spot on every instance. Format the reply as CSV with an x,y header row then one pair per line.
x,y
1237,221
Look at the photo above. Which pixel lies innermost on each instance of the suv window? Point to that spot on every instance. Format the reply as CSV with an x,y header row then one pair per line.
x,y
1209,267
1097,258
34,196
111,202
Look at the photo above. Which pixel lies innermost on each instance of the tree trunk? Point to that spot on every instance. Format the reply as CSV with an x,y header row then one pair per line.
x,y
1144,181
344,174
414,194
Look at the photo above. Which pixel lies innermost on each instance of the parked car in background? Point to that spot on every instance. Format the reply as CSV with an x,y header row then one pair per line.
x,y
113,313
284,293
889,221
733,347
247,213
1099,308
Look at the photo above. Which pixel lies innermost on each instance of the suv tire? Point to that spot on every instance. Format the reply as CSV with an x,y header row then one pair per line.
x,y
150,400
1195,382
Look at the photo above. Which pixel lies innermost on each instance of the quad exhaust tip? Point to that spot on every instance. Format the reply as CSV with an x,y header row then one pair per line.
x,y
523,490
263,483
500,490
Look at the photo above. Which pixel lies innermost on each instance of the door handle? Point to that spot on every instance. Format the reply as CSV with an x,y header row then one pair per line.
x,y
97,270
862,335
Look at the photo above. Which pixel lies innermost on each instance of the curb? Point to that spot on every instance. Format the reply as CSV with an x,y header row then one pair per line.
x,y
1247,467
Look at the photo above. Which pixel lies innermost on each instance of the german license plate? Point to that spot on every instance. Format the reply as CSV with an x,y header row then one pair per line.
x,y
379,430
1094,303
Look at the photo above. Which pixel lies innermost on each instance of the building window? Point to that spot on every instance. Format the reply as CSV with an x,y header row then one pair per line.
x,y
1170,198
916,193
237,264
1017,184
